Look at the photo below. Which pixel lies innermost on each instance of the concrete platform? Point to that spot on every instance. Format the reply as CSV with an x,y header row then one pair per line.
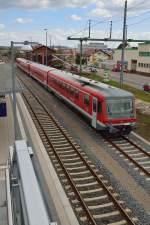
x,y
6,79
6,139
6,132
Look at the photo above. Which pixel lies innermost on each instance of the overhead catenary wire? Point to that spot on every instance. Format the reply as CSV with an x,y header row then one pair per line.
x,y
113,21
141,21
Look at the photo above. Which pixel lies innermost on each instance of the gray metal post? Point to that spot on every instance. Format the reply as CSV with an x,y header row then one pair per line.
x,y
14,82
81,56
50,41
14,89
46,47
89,28
123,45
110,29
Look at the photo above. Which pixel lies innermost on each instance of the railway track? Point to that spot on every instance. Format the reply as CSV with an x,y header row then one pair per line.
x,y
135,154
93,199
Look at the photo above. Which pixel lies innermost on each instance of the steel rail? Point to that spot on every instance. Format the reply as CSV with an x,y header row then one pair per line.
x,y
126,155
135,145
100,182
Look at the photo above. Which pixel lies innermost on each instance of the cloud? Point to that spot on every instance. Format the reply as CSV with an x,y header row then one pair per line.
x,y
23,21
39,4
100,7
60,35
116,7
75,17
2,26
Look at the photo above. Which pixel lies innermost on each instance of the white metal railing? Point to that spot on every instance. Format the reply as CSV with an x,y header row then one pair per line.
x,y
32,203
8,196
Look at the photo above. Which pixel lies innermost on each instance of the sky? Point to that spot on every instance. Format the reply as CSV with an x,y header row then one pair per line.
x,y
26,20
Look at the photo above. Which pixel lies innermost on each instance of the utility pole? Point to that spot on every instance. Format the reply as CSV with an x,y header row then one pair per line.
x,y
46,47
81,42
50,41
13,43
89,28
14,89
110,29
126,32
123,45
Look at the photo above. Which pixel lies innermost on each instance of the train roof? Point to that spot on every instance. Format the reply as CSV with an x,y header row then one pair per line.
x,y
106,90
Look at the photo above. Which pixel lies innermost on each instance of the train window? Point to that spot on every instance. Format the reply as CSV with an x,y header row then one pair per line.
x,y
63,85
76,94
94,105
72,91
120,108
86,99
99,109
59,83
67,88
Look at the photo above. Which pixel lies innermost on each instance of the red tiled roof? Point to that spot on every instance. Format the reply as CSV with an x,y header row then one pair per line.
x,y
42,46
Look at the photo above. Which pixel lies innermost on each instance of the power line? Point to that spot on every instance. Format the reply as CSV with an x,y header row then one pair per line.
x,y
106,21
141,21
83,29
86,28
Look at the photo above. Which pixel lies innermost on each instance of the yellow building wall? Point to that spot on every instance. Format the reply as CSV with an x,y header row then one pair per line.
x,y
145,60
130,54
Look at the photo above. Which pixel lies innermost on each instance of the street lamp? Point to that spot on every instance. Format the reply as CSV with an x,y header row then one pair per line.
x,y
25,43
46,46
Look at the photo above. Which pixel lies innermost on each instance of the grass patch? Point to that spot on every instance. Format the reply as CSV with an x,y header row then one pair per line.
x,y
137,93
143,128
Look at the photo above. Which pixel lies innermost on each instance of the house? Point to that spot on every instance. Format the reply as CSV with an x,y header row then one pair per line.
x,y
99,56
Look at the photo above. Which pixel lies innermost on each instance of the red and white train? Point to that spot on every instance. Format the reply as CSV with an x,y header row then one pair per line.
x,y
108,108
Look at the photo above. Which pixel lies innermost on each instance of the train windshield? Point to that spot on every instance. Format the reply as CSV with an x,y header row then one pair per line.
x,y
120,108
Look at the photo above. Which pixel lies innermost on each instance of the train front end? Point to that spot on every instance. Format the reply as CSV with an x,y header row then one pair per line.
x,y
121,114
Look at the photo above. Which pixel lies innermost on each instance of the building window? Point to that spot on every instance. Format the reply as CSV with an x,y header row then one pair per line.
x,y
144,54
139,64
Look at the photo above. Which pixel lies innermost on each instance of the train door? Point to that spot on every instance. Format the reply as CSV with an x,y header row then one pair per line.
x,y
94,112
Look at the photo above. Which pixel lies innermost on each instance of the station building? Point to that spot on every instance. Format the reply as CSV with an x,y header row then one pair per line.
x,y
38,54
137,60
